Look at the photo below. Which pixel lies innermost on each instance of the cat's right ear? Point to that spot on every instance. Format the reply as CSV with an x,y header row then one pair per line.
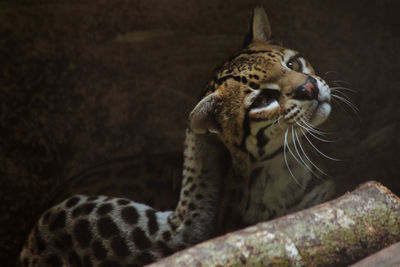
x,y
204,117
260,29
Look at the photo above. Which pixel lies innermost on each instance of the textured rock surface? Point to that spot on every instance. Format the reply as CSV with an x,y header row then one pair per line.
x,y
85,82
334,233
388,256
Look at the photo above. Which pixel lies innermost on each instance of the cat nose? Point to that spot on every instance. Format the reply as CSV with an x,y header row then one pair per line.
x,y
307,91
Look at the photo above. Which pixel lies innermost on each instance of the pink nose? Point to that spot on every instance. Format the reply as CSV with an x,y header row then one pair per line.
x,y
307,91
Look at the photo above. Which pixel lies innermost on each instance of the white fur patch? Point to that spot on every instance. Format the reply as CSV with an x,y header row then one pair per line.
x,y
265,111
321,113
271,86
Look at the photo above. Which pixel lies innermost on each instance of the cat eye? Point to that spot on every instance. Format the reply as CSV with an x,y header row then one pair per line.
x,y
295,64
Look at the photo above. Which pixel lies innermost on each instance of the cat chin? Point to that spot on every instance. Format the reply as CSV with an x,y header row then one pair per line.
x,y
321,114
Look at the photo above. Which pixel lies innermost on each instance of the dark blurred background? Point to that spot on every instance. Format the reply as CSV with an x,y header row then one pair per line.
x,y
83,82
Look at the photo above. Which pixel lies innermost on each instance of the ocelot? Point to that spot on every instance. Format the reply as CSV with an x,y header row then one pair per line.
x,y
244,162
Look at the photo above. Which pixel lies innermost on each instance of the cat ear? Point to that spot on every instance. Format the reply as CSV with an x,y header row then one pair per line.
x,y
203,117
261,28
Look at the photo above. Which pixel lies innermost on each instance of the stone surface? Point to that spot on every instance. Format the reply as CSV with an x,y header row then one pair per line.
x,y
87,81
334,233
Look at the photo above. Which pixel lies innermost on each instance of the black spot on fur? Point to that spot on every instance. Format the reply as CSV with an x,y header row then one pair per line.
x,y
192,206
119,246
253,176
254,85
189,179
185,237
110,264
72,202
262,140
76,212
123,202
58,221
87,208
130,215
172,225
237,78
140,239
87,262
188,222
63,242
199,196
146,257
104,209
92,198
53,260
98,250
192,188
152,221
84,209
74,259
165,250
106,227
166,236
82,233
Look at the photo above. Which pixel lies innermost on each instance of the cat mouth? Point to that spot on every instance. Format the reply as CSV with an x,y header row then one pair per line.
x,y
265,105
265,98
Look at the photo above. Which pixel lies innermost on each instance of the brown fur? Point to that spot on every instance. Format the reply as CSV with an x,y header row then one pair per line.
x,y
249,95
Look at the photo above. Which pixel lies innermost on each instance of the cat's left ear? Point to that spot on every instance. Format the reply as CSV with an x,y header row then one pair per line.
x,y
261,28
203,118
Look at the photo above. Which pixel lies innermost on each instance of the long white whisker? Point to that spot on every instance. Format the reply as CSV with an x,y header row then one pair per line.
x,y
277,120
279,123
340,104
313,135
305,154
349,104
309,141
309,130
291,152
340,81
312,128
300,157
320,139
287,164
342,94
345,101
342,88
331,71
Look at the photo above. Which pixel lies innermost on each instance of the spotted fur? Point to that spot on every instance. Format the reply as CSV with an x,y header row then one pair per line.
x,y
235,172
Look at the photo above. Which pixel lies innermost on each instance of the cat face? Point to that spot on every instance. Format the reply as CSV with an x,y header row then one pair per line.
x,y
259,94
